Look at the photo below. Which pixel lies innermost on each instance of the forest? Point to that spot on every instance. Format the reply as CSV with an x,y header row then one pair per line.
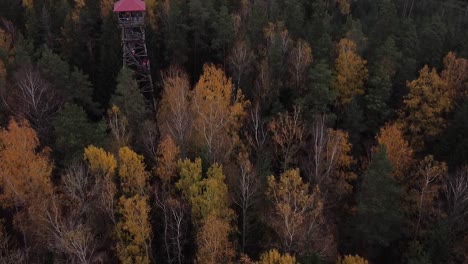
x,y
275,132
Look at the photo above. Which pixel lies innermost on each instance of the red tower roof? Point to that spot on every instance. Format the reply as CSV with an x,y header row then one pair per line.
x,y
129,6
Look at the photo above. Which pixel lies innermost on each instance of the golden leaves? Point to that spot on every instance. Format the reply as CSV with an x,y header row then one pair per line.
x,y
218,113
350,259
274,257
351,72
133,177
100,161
425,106
134,230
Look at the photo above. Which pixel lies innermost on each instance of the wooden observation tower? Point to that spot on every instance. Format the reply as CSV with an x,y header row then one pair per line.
x,y
131,15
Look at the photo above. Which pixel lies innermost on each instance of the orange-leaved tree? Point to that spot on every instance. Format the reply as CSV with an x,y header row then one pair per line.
x,y
398,150
25,177
166,160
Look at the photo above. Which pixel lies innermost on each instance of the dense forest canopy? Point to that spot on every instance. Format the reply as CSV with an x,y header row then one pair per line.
x,y
277,131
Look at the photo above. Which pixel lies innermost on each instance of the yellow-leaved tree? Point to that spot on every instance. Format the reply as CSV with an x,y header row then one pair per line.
x,y
133,229
207,196
103,165
350,259
425,107
351,72
275,257
211,214
218,113
132,174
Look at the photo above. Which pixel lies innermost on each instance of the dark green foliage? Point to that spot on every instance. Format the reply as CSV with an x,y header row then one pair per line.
x,y
454,142
223,26
73,132
318,95
129,99
71,84
175,31
378,219
110,61
382,70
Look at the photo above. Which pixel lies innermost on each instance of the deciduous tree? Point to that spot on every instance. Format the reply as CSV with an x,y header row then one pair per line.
x,y
218,113
398,150
166,161
174,115
328,162
427,186
425,107
213,242
351,72
288,135
132,174
133,230
350,259
297,213
25,175
274,257
247,188
300,59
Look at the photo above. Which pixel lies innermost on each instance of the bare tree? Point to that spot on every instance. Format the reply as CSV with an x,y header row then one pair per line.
x,y
32,98
257,129
300,59
240,59
150,139
68,235
118,124
8,253
456,192
288,135
175,217
429,183
247,188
